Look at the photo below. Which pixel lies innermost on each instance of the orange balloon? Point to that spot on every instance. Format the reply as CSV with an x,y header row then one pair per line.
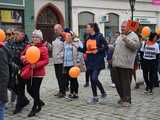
x,y
2,35
146,31
158,30
32,54
74,72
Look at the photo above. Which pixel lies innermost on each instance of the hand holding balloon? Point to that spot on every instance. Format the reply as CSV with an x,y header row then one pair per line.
x,y
32,55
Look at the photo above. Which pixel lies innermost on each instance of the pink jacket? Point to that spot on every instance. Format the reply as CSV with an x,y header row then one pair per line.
x,y
39,70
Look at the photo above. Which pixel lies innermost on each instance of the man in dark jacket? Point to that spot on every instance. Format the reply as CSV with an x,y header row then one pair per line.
x,y
17,46
4,78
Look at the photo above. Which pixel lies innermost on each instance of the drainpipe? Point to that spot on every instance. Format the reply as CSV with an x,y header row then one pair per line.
x,y
68,13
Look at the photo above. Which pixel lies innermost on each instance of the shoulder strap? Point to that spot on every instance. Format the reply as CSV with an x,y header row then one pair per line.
x,y
144,45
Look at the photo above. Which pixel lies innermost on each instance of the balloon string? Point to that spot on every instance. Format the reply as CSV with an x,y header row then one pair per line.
x,y
31,75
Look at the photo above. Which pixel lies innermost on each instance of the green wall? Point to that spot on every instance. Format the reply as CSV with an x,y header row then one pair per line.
x,y
29,17
28,7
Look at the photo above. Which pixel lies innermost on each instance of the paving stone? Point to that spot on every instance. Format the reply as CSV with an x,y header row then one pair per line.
x,y
144,107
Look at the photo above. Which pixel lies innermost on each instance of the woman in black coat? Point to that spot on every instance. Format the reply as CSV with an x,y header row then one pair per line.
x,y
95,59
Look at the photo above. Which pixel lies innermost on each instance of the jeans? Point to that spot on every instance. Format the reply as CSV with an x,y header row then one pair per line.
x,y
95,82
2,109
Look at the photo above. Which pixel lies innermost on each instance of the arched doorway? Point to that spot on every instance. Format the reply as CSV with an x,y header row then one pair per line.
x,y
48,16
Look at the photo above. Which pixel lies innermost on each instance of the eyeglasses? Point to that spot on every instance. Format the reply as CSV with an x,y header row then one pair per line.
x,y
35,37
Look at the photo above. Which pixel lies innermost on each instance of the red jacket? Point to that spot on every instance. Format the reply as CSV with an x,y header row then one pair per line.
x,y
39,70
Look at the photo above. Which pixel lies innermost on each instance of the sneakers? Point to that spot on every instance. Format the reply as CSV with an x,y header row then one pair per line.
x,y
73,96
60,95
68,98
126,104
137,86
93,100
102,99
57,94
148,91
86,85
42,103
120,102
104,95
112,85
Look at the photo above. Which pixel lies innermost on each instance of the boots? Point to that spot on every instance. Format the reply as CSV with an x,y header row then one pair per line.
x,y
36,108
33,111
21,103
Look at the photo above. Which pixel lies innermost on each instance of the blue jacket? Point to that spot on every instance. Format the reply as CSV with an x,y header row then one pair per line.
x,y
96,61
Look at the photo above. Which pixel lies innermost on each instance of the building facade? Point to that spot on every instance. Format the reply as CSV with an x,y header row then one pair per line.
x,y
44,14
109,14
17,14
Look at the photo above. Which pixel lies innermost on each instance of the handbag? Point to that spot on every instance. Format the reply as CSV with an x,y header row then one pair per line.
x,y
26,72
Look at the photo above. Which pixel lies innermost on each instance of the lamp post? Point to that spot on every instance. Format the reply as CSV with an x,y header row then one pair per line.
x,y
68,13
132,4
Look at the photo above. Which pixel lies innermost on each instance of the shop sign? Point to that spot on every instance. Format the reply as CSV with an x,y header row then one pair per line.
x,y
146,20
11,16
156,2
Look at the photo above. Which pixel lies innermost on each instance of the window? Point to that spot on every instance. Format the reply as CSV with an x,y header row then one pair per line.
x,y
10,18
47,16
83,19
112,26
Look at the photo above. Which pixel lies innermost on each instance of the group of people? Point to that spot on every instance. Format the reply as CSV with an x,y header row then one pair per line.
x,y
69,51
125,54
15,65
120,55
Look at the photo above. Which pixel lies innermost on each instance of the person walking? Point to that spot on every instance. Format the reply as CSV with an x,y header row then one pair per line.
x,y
16,46
58,59
150,51
123,59
4,78
95,48
35,80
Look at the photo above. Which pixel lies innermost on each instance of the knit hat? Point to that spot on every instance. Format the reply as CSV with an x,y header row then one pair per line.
x,y
38,33
68,30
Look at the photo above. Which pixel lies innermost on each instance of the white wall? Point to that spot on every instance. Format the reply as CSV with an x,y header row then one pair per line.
x,y
120,7
38,4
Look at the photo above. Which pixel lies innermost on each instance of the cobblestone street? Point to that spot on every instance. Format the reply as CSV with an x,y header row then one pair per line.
x,y
144,107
